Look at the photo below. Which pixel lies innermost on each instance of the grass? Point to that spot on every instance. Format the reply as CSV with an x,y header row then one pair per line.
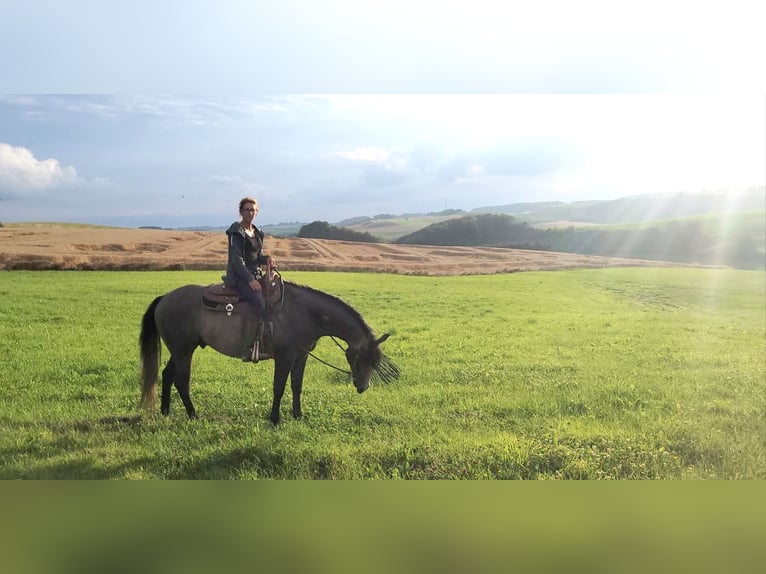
x,y
603,374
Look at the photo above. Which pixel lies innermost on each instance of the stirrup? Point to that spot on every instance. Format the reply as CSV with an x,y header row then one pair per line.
x,y
255,351
247,356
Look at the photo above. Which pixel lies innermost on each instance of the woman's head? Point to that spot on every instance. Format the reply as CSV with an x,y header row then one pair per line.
x,y
248,209
245,200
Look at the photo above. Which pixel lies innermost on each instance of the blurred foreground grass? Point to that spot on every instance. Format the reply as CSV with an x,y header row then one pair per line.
x,y
333,527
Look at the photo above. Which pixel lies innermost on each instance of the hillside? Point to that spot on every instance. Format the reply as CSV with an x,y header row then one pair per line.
x,y
638,209
388,229
732,240
30,246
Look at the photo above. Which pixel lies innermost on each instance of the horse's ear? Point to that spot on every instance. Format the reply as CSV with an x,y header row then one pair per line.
x,y
382,338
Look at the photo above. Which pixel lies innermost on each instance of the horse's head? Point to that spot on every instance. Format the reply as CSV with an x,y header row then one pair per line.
x,y
367,361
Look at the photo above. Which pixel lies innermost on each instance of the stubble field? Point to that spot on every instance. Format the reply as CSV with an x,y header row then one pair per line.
x,y
41,246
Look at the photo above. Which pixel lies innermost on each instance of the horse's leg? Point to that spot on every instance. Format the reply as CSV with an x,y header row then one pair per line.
x,y
281,370
296,384
181,381
167,385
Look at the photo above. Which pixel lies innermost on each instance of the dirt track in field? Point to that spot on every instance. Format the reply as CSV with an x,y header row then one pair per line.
x,y
52,247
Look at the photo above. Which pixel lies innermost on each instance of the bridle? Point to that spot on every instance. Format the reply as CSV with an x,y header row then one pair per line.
x,y
386,370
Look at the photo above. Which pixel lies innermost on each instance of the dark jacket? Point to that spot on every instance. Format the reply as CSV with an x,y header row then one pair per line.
x,y
245,254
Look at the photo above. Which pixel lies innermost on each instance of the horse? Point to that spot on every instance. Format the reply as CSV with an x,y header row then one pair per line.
x,y
303,316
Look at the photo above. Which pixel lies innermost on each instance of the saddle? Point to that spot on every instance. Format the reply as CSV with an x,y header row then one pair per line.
x,y
221,297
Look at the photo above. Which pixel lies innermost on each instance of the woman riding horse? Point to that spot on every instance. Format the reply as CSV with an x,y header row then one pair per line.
x,y
243,269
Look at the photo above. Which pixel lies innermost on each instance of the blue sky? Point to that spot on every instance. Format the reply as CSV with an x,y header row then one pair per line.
x,y
333,109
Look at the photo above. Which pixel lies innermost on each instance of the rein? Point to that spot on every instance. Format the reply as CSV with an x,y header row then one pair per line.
x,y
330,364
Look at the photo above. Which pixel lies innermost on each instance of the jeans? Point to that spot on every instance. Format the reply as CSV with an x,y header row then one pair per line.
x,y
255,298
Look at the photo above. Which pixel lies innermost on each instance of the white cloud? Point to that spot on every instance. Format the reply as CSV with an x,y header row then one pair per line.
x,y
367,154
21,171
379,161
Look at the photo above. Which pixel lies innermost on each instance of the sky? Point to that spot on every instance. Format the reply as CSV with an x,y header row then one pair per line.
x,y
168,115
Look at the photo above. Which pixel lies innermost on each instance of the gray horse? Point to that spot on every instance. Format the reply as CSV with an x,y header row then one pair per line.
x,y
305,315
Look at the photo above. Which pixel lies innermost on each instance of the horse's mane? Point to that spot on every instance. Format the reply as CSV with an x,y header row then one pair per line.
x,y
334,300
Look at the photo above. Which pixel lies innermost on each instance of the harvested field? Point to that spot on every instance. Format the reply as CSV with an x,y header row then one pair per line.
x,y
26,246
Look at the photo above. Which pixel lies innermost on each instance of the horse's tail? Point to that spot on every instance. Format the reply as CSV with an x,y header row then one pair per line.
x,y
149,341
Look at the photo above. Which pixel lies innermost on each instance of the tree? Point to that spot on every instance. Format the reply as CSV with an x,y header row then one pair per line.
x,y
323,230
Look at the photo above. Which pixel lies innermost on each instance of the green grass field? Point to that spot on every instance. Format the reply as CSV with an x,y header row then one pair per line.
x,y
601,374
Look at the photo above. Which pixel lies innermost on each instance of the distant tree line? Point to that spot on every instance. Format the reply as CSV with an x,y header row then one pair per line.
x,y
323,230
474,230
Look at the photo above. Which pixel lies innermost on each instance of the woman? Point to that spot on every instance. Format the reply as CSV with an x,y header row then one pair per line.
x,y
243,267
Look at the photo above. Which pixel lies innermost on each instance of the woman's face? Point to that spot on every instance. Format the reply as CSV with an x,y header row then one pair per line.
x,y
248,212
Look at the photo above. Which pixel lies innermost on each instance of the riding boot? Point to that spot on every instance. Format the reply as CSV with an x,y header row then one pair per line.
x,y
263,347
267,338
251,335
